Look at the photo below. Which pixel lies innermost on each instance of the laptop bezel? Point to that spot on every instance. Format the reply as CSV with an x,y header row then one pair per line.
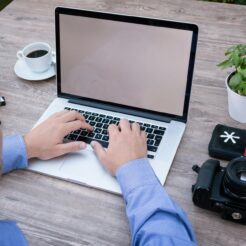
x,y
129,19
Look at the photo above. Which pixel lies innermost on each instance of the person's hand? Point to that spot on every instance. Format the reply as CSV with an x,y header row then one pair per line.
x,y
46,140
126,142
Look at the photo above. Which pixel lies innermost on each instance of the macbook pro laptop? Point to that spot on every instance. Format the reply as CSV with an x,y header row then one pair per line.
x,y
113,66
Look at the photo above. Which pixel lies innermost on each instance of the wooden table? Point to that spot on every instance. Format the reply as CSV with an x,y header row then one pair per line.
x,y
55,212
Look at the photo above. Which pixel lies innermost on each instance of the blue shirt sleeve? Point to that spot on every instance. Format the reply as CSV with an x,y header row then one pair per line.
x,y
14,153
153,217
11,235
14,156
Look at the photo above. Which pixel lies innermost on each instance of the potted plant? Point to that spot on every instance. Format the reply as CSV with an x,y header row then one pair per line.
x,y
236,81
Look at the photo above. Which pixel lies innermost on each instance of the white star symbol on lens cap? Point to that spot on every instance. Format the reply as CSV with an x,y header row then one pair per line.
x,y
230,136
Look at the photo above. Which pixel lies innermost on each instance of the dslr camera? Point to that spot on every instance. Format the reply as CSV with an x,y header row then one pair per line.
x,y
222,189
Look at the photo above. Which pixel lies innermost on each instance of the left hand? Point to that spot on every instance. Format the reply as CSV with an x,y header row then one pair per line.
x,y
46,140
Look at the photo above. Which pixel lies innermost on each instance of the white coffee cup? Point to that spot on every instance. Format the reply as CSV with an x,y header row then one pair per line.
x,y
37,56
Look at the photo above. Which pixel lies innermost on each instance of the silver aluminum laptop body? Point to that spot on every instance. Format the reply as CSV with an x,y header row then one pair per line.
x,y
121,66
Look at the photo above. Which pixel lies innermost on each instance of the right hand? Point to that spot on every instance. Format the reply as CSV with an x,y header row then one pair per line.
x,y
126,142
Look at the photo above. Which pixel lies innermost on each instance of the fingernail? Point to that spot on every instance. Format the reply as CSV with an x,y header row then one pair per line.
x,y
92,144
82,145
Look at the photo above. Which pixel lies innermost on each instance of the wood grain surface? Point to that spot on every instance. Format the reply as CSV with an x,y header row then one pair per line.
x,y
54,212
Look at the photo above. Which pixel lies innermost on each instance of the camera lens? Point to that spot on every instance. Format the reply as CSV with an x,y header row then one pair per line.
x,y
233,185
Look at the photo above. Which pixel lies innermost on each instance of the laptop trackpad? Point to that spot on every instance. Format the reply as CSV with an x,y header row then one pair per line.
x,y
50,167
84,167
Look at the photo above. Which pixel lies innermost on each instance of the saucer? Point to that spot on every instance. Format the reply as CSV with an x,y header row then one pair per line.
x,y
24,72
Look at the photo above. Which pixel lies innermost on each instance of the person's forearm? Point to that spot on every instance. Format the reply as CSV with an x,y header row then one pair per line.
x,y
152,215
14,154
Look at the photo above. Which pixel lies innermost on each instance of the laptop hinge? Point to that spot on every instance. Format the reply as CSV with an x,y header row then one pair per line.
x,y
120,109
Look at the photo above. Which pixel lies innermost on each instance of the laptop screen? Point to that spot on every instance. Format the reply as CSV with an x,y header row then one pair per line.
x,y
140,66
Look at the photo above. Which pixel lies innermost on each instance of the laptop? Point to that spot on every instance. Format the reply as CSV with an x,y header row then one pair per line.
x,y
113,66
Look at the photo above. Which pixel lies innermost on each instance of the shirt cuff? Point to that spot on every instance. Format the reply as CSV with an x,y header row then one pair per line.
x,y
134,174
14,153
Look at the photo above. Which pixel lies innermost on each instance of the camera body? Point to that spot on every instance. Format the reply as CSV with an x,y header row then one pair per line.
x,y
221,189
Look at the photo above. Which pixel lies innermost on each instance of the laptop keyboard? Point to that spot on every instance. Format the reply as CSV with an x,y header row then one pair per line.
x,y
100,123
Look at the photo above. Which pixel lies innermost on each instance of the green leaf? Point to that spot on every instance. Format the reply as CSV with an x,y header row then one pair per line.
x,y
235,80
225,64
236,59
230,50
243,72
242,88
243,64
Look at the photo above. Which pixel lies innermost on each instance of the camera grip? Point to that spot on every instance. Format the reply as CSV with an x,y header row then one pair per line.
x,y
202,188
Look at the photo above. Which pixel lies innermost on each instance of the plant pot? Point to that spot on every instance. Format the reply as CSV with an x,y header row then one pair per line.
x,y
236,104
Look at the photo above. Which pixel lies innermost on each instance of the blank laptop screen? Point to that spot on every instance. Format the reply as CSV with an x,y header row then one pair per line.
x,y
136,65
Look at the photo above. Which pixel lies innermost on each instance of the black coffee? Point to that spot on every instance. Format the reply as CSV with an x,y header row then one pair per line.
x,y
37,53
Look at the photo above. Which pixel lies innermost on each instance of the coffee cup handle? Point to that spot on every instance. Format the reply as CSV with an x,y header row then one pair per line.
x,y
53,53
20,54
